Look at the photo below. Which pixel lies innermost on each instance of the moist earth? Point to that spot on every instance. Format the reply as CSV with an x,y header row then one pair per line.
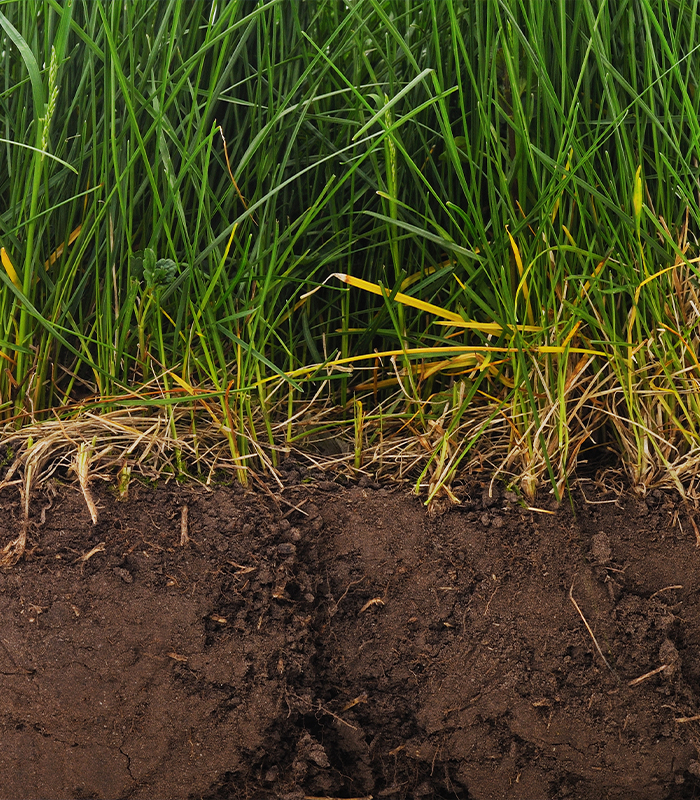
x,y
331,641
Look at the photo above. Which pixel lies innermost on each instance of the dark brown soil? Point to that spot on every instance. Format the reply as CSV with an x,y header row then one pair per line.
x,y
341,642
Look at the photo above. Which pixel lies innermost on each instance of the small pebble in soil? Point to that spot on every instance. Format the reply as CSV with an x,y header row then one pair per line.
x,y
271,775
124,574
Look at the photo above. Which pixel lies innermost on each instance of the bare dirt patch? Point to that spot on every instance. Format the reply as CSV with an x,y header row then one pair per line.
x,y
340,642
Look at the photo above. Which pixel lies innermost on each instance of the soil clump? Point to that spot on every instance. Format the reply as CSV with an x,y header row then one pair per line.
x,y
341,642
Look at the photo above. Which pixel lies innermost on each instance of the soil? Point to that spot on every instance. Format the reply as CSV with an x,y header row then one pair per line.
x,y
328,641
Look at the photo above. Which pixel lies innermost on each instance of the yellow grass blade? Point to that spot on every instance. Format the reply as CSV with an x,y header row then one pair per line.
x,y
653,277
491,327
411,279
182,383
230,238
686,345
448,317
192,391
458,362
464,363
637,199
9,269
521,273
568,235
427,352
58,252
516,253
404,299
456,277
596,272
573,333
561,349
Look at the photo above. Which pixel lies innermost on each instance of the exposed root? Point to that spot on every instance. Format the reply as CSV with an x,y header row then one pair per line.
x,y
590,630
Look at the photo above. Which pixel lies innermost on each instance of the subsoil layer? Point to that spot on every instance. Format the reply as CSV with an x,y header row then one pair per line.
x,y
328,641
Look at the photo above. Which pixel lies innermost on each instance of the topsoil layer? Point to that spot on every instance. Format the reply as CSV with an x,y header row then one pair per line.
x,y
331,642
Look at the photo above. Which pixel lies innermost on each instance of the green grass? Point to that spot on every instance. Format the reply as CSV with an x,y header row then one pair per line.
x,y
529,170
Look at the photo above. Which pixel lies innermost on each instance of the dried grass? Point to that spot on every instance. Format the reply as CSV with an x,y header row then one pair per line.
x,y
435,446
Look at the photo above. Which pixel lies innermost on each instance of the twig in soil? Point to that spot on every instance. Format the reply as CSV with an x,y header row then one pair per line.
x,y
99,548
178,657
320,708
648,675
602,490
695,528
486,610
335,717
687,719
375,601
242,569
292,507
184,536
363,698
344,594
267,491
588,628
666,589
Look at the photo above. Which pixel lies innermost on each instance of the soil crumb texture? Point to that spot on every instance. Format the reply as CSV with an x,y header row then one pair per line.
x,y
329,641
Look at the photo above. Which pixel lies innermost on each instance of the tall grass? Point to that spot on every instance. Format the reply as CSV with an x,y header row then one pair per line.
x,y
508,190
